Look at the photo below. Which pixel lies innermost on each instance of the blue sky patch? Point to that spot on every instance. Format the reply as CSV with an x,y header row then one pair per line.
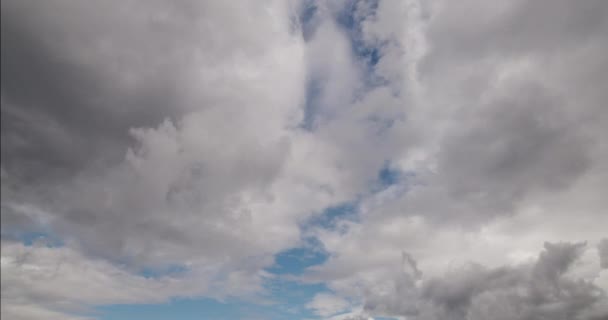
x,y
388,176
296,260
173,270
31,238
332,215
191,309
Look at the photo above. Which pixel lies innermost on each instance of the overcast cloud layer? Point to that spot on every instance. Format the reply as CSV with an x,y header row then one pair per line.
x,y
209,136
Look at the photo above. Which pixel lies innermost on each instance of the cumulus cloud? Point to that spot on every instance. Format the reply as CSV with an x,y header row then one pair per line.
x,y
505,156
169,164
149,133
540,289
204,136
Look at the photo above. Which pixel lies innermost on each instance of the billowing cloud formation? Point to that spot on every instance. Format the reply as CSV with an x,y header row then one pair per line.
x,y
209,170
548,287
510,158
534,291
206,136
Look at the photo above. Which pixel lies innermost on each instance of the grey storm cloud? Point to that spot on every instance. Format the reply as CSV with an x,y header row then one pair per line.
x,y
61,112
149,135
79,79
540,290
520,144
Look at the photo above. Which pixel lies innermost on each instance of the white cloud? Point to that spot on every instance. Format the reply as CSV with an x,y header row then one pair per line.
x,y
327,304
39,280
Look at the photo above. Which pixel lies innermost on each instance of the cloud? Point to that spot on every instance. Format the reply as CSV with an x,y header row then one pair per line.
x,y
205,136
503,146
164,167
602,249
194,106
543,288
325,304
39,280
172,138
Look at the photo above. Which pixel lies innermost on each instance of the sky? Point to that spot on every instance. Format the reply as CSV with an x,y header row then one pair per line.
x,y
304,159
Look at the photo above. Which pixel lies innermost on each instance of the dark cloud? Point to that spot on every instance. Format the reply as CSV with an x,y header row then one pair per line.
x,y
538,291
520,143
602,250
124,124
60,113
77,77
